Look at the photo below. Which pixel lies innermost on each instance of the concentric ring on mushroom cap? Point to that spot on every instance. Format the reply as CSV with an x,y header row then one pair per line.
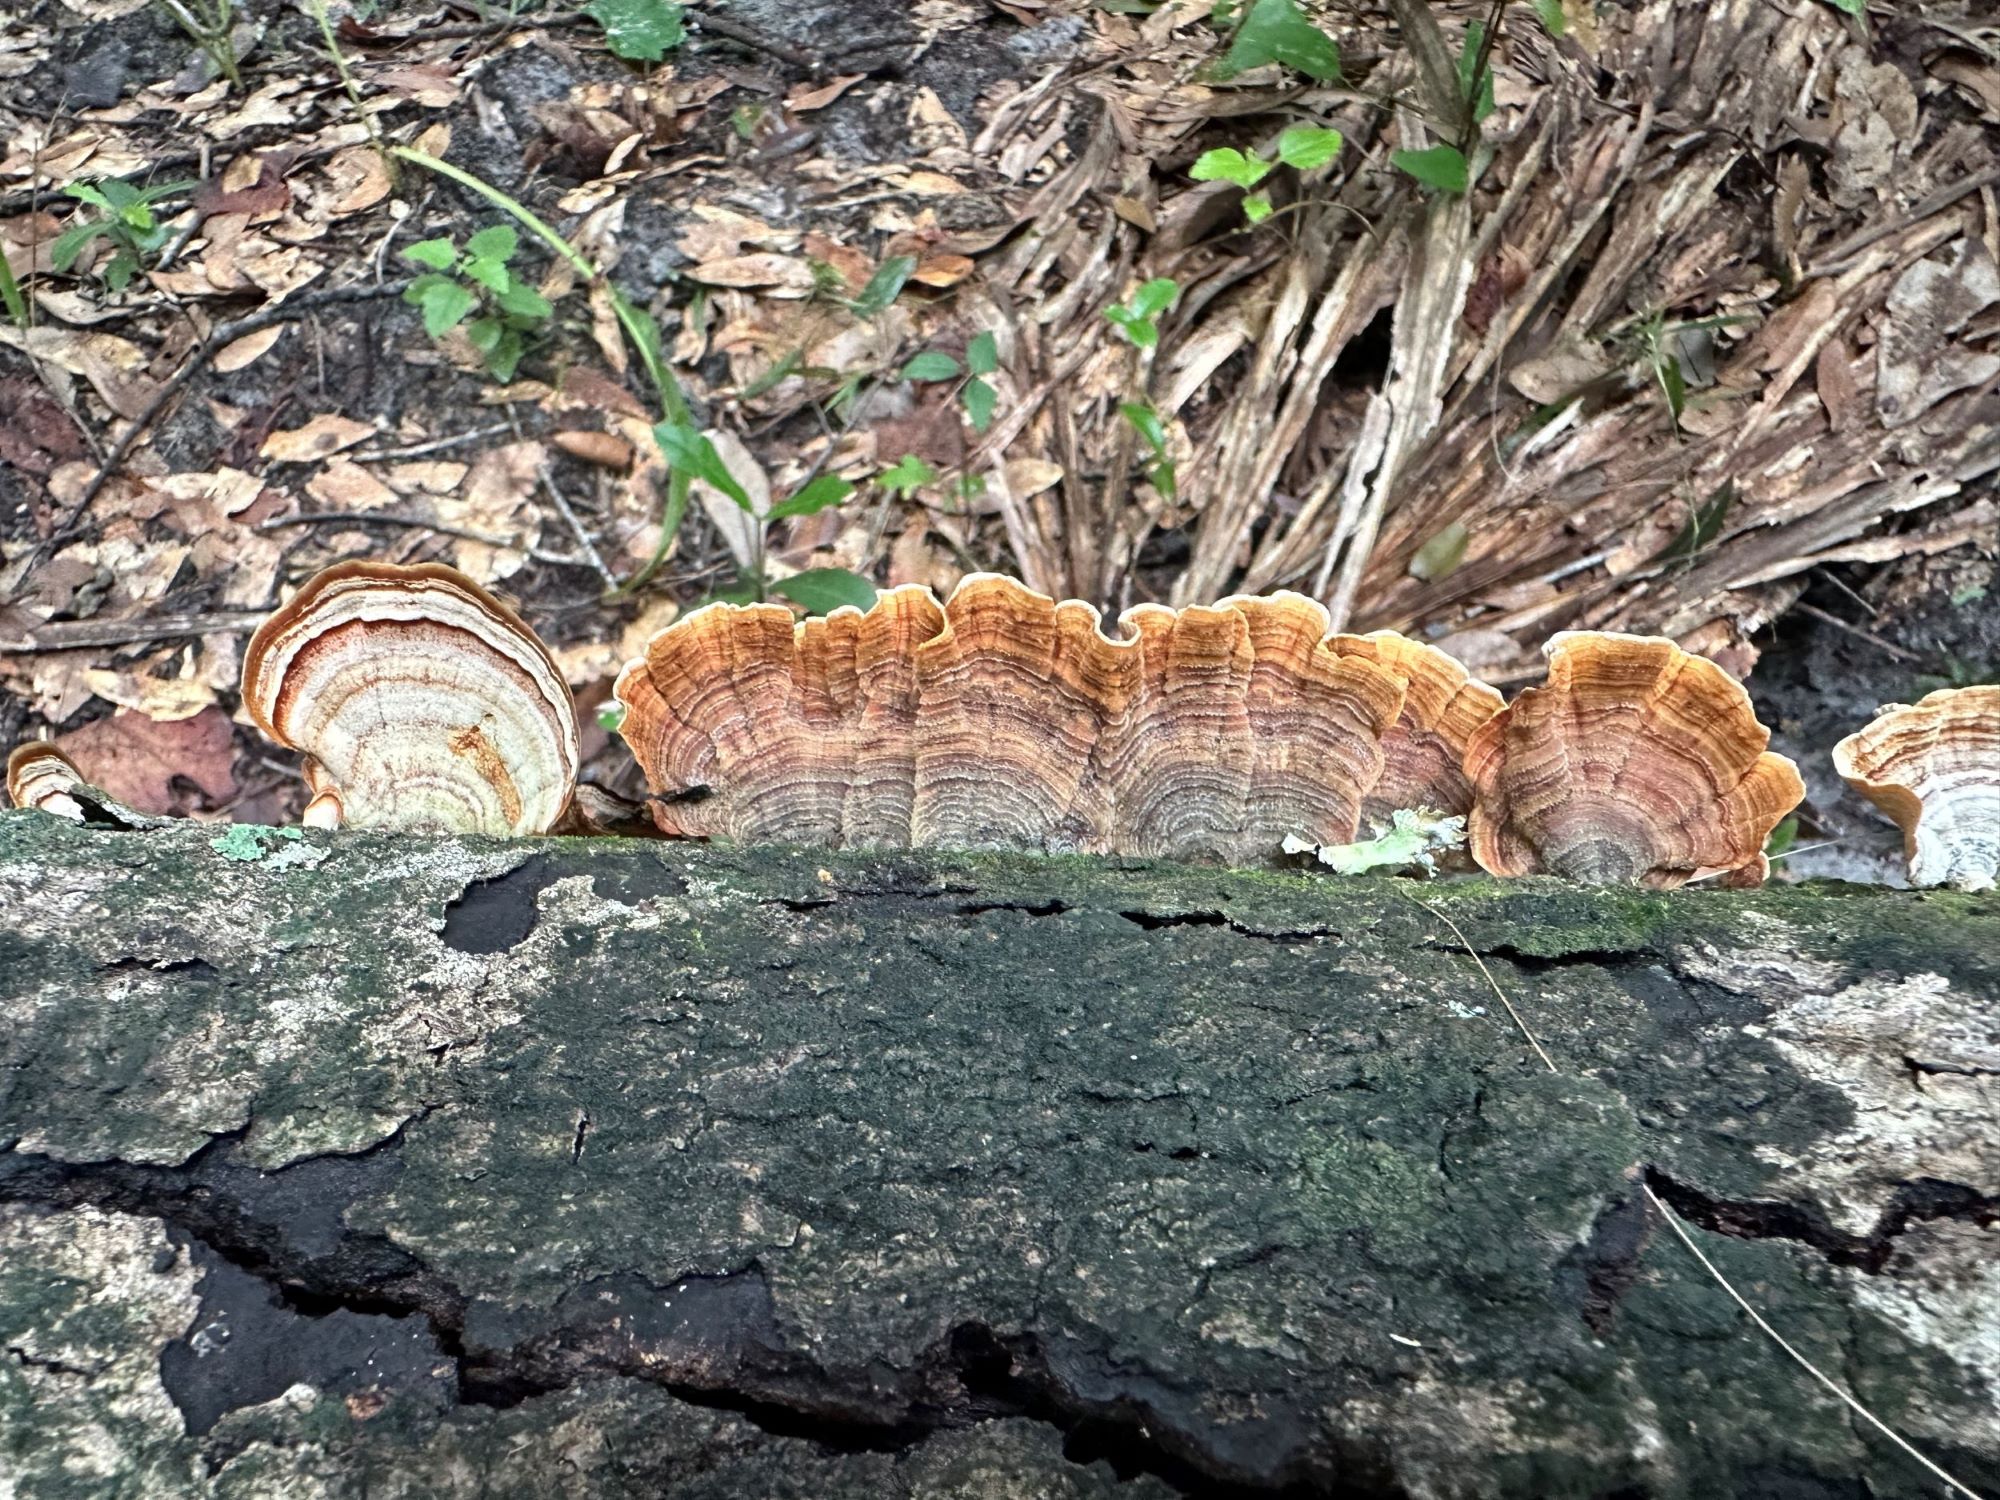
x,y
1934,767
1006,719
421,702
41,777
1634,762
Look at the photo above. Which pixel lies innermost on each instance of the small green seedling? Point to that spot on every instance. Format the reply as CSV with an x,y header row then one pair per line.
x,y
1277,31
210,25
1146,422
640,30
906,476
1300,146
456,286
982,358
816,590
128,222
1139,319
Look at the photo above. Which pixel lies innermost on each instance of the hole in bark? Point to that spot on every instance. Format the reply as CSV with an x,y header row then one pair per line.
x,y
491,916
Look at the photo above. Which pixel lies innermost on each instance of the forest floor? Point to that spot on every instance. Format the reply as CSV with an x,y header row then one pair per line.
x,y
1709,345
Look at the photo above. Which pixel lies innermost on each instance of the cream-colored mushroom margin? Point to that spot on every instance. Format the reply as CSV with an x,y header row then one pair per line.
x,y
42,777
1934,767
421,703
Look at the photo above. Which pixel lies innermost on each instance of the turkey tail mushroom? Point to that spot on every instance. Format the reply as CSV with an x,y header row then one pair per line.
x,y
420,703
1934,767
1006,719
1635,762
41,777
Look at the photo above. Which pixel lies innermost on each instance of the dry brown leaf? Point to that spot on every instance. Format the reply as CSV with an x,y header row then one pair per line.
x,y
166,699
781,273
137,759
344,485
805,97
247,350
326,434
599,448
495,499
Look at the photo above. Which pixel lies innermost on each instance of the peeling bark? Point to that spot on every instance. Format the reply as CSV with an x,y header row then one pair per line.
x,y
349,1164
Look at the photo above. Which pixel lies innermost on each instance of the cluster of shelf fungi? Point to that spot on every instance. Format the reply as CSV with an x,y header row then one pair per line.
x,y
1003,719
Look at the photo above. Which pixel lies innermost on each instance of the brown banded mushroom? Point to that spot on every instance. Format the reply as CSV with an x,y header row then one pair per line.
x,y
1934,767
1635,762
1424,751
41,777
420,703
1006,719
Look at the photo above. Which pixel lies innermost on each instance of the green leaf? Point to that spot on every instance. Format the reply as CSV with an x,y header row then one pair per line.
x,y
439,255
1703,526
1257,207
1308,146
485,333
1440,167
446,304
505,357
122,268
687,450
982,355
1786,834
523,302
884,286
491,274
980,400
611,717
1441,554
1554,22
639,30
828,489
69,244
1155,297
820,591
85,192
1147,422
495,242
1227,164
1479,90
1277,31
907,476
1851,7
1139,330
932,364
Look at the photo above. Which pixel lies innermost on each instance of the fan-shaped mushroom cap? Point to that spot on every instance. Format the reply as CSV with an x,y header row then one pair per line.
x,y
420,701
1424,750
1934,767
1634,762
42,777
1004,719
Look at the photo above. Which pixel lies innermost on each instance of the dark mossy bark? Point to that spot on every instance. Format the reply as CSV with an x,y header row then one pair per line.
x,y
596,1168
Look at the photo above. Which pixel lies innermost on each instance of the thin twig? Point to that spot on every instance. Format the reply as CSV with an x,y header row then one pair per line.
x,y
1855,630
1674,1223
74,635
590,552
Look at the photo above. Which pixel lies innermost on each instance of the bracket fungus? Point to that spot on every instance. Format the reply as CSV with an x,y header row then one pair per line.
x,y
1635,762
420,702
1934,767
1006,719
40,776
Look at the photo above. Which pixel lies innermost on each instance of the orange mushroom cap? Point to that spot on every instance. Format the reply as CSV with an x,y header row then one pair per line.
x,y
1635,762
1006,719
420,702
1934,767
41,777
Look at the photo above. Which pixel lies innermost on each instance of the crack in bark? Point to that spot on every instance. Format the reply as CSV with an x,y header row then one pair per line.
x,y
1917,1201
987,1376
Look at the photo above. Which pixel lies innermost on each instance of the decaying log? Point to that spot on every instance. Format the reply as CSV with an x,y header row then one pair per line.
x,y
343,1164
